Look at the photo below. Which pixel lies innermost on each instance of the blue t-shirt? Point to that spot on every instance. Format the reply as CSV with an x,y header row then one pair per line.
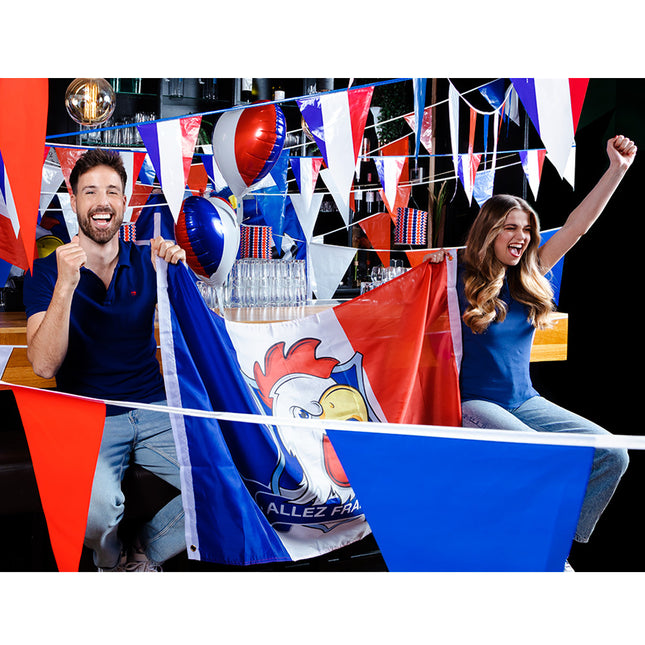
x,y
112,348
496,363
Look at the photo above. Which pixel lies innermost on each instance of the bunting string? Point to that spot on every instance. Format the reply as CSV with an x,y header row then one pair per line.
x,y
630,442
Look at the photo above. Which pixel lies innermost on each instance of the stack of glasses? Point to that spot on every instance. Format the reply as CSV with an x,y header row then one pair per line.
x,y
380,275
254,282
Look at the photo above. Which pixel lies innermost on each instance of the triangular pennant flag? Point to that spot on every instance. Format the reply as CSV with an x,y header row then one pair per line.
x,y
71,221
554,107
404,189
467,170
328,265
140,194
340,197
494,93
570,168
67,157
272,198
419,86
197,179
453,116
336,121
7,204
23,126
416,257
483,188
213,172
23,122
305,170
307,215
64,436
389,173
132,161
425,135
171,145
496,506
378,229
532,163
52,178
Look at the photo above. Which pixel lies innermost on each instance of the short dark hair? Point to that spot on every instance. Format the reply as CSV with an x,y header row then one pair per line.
x,y
97,157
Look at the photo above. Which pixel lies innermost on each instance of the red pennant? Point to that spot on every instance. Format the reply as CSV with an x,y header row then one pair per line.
x,y
189,133
64,435
378,229
67,158
404,189
578,88
23,126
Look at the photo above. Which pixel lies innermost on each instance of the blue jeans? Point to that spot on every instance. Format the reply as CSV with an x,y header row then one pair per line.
x,y
147,435
539,415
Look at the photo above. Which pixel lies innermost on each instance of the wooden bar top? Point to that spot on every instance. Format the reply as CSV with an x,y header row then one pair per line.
x,y
549,344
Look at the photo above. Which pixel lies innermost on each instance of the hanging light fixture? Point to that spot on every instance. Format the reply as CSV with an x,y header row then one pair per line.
x,y
90,101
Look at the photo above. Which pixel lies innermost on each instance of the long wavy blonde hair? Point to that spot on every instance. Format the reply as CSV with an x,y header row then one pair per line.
x,y
484,274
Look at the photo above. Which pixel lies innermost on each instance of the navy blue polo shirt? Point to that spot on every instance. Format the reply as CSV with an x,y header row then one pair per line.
x,y
112,348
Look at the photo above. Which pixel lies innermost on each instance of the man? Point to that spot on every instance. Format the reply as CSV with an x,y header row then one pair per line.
x,y
90,322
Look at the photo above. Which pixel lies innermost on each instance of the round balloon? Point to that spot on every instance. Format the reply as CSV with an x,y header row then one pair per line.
x,y
246,144
207,229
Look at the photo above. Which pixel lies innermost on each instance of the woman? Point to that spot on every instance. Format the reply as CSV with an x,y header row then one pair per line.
x,y
504,297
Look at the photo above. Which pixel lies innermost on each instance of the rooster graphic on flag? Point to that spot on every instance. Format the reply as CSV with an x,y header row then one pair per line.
x,y
259,492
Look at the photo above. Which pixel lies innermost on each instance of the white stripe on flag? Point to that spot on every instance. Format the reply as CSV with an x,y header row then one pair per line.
x,y
172,164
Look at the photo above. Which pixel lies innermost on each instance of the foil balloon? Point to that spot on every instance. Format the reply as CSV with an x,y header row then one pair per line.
x,y
247,143
207,229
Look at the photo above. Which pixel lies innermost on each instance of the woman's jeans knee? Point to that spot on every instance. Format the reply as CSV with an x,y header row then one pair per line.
x,y
540,415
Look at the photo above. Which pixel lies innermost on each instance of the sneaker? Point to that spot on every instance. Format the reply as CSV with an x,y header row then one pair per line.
x,y
120,566
138,561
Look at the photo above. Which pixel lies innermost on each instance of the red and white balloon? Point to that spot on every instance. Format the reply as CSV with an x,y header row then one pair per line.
x,y
247,143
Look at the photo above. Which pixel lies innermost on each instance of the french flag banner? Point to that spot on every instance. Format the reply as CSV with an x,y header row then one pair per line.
x,y
336,121
554,107
7,204
170,145
467,171
532,164
259,492
389,173
305,170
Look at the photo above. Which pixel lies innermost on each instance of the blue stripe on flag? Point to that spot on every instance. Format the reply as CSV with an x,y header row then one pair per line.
x,y
231,528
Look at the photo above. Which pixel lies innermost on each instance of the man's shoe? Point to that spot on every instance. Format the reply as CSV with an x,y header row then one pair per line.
x,y
139,561
120,566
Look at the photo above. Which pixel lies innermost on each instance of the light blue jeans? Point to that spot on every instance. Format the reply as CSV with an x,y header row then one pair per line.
x,y
146,435
540,415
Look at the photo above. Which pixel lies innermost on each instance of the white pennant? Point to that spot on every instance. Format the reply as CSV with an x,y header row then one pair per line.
x,y
453,114
390,173
172,164
307,213
71,221
340,195
52,178
328,265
